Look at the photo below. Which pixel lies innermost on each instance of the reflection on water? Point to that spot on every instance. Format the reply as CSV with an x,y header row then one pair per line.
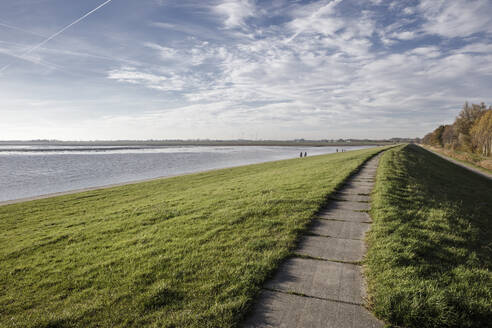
x,y
27,171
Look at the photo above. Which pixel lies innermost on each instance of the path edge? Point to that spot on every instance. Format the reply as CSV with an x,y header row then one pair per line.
x,y
302,233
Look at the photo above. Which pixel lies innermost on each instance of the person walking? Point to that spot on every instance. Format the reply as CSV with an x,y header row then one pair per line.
x,y
301,154
305,154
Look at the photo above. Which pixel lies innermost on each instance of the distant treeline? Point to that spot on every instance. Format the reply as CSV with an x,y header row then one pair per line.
x,y
209,142
470,132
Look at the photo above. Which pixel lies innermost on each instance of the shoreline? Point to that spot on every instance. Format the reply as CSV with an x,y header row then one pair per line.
x,y
75,191
105,147
80,190
143,144
120,184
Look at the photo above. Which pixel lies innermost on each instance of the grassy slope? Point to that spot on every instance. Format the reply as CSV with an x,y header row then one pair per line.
x,y
186,251
473,161
430,258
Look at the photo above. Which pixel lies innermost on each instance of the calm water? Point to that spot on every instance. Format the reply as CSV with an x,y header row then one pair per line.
x,y
27,171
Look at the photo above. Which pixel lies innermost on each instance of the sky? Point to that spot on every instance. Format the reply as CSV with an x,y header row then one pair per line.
x,y
230,69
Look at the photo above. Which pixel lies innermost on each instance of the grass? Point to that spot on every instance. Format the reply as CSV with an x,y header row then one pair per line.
x,y
189,251
430,247
469,159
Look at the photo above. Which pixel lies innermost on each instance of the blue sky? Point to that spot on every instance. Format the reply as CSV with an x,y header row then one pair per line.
x,y
240,69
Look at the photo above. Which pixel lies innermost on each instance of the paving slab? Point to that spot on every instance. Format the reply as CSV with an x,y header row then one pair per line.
x,y
365,176
345,215
339,229
282,310
359,184
322,279
351,197
346,205
362,179
332,249
369,172
362,183
367,167
358,189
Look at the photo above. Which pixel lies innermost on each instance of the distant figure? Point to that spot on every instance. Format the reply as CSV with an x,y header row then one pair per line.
x,y
337,150
305,154
301,154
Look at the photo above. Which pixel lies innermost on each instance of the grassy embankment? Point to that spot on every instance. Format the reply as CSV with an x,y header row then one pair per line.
x,y
477,161
189,251
430,258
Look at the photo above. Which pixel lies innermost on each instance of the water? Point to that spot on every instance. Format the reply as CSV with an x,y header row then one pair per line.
x,y
29,171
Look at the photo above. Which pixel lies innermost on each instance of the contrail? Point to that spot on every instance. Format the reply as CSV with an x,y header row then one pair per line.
x,y
20,29
51,37
26,58
316,14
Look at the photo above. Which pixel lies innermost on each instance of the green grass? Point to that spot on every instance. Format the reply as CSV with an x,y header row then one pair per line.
x,y
430,247
189,251
455,155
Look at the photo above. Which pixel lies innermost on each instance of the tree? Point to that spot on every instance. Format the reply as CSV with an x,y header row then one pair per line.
x,y
481,134
426,139
467,116
449,136
464,122
468,132
434,138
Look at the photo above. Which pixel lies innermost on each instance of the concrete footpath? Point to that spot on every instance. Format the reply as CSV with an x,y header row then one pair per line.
x,y
323,285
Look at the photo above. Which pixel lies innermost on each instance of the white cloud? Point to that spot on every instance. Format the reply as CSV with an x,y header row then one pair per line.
x,y
317,18
168,82
457,18
483,48
235,12
405,35
409,10
315,72
165,53
195,54
430,52
321,70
